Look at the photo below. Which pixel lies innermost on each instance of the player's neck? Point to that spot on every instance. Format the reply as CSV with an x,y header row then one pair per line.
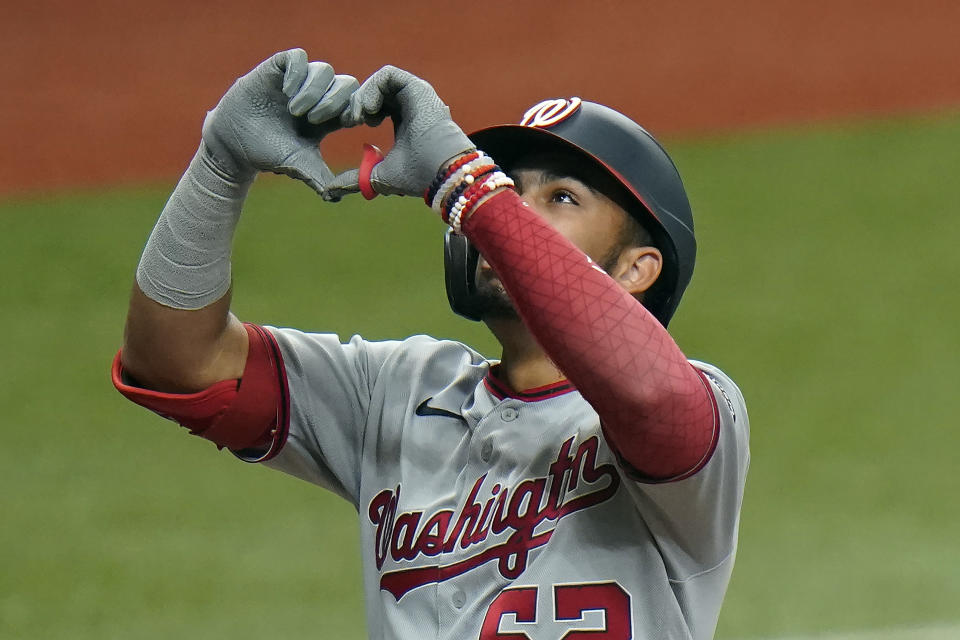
x,y
523,364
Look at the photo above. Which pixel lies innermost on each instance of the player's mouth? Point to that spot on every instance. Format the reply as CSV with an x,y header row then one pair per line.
x,y
485,271
486,276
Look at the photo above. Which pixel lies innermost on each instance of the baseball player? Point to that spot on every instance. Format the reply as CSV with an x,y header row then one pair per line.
x,y
585,485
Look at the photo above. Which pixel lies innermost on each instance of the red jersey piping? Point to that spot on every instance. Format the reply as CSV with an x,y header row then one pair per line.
x,y
502,391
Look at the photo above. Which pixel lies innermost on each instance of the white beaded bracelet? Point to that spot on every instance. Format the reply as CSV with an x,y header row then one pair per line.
x,y
460,175
466,205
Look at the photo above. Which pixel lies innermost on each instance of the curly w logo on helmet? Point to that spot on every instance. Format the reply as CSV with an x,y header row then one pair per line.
x,y
550,112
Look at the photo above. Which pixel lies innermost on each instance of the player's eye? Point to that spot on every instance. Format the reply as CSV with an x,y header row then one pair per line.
x,y
562,196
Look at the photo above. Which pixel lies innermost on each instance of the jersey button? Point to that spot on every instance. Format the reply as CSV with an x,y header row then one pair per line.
x,y
509,414
458,598
487,451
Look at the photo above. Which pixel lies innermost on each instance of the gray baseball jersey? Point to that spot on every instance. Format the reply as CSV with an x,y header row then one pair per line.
x,y
488,515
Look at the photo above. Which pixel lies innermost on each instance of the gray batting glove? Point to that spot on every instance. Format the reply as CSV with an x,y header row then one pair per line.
x,y
425,138
273,118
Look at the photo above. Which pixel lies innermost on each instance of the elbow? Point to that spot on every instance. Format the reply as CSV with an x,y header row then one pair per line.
x,y
161,368
181,351
667,432
142,369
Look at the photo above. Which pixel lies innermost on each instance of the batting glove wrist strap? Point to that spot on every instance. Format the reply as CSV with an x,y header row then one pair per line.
x,y
186,262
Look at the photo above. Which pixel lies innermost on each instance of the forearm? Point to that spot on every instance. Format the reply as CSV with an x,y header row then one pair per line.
x,y
180,335
185,355
652,403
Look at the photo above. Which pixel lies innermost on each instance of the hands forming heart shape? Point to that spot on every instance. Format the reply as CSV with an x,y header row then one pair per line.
x,y
274,117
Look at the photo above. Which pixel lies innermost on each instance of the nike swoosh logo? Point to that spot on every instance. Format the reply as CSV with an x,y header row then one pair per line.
x,y
424,409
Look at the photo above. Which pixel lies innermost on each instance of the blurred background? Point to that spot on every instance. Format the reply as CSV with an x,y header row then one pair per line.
x,y
818,142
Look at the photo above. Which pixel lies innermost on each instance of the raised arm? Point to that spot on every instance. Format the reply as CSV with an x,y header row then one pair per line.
x,y
656,409
180,336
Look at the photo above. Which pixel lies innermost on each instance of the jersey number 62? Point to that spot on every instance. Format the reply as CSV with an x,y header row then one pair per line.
x,y
570,603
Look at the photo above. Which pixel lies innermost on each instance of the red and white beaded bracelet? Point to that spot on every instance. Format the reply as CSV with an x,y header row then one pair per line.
x,y
472,196
461,180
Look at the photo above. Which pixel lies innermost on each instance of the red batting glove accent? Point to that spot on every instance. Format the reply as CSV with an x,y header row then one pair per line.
x,y
372,156
656,411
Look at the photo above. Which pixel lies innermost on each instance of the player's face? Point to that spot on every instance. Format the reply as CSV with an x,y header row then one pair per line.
x,y
586,217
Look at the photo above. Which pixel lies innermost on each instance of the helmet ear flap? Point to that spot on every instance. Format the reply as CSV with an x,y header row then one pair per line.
x,y
460,260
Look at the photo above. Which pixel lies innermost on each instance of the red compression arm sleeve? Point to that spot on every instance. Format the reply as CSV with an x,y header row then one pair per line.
x,y
655,407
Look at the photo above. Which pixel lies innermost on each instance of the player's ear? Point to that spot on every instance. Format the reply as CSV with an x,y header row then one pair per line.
x,y
638,268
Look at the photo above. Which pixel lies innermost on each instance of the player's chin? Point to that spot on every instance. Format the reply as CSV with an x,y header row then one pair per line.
x,y
493,300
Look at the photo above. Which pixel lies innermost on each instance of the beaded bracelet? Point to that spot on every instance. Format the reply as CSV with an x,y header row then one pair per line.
x,y
476,174
466,202
471,168
442,176
468,173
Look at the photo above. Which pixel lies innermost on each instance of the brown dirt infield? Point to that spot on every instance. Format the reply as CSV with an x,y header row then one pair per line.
x,y
115,92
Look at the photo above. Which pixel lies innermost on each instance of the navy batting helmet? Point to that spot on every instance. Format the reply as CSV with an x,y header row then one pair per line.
x,y
617,145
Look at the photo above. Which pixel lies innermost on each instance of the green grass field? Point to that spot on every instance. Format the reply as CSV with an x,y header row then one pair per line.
x,y
826,286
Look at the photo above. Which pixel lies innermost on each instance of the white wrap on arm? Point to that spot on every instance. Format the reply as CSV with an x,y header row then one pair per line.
x,y
186,262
